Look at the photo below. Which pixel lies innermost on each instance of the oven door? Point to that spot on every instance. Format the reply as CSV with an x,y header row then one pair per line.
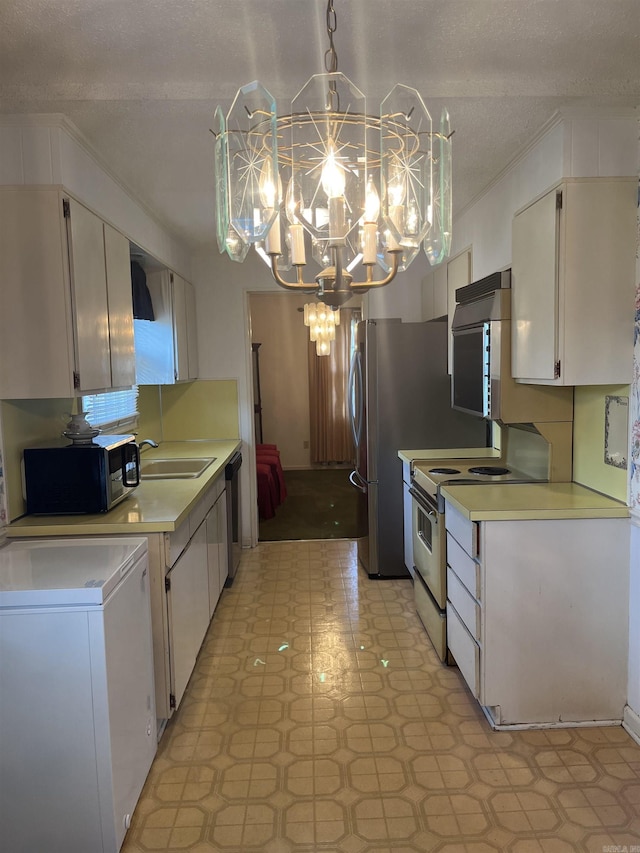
x,y
429,554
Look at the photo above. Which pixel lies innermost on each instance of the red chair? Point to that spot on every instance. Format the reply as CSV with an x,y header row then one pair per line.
x,y
270,448
272,459
267,491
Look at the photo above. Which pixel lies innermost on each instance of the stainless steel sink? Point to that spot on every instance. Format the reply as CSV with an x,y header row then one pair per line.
x,y
176,469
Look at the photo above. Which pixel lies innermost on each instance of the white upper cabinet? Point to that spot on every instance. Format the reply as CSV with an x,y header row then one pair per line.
x,y
427,296
166,348
434,293
440,293
573,266
184,329
180,332
89,296
118,266
66,324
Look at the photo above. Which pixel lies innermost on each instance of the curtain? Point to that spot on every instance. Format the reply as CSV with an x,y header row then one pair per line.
x,y
330,436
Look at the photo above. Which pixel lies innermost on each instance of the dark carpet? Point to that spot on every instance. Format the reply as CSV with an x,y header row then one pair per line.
x,y
320,504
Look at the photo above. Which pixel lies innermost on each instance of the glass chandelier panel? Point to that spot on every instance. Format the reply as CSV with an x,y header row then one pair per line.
x,y
437,243
329,157
406,166
254,188
228,239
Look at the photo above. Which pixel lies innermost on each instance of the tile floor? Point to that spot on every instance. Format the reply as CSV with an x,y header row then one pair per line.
x,y
319,719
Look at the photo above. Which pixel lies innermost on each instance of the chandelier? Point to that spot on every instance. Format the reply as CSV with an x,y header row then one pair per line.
x,y
322,321
359,193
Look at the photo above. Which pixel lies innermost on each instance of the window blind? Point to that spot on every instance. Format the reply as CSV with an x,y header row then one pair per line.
x,y
113,409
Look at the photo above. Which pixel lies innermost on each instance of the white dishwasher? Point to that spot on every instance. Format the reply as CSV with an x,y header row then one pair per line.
x,y
77,711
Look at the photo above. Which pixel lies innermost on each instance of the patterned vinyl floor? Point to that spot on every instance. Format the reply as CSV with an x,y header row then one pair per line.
x,y
318,718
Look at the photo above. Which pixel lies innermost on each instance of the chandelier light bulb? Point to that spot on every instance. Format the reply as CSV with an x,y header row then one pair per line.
x,y
397,189
268,186
372,202
294,202
293,206
270,190
333,177
396,193
370,228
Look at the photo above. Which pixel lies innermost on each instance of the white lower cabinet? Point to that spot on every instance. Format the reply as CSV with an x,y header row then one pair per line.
x,y
223,543
216,527
186,582
465,650
188,597
537,617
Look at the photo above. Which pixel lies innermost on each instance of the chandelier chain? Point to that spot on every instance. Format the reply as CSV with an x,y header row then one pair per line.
x,y
331,57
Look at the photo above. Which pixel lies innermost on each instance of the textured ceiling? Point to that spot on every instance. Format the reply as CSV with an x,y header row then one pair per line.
x,y
141,78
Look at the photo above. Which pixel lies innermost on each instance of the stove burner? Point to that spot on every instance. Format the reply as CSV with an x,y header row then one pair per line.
x,y
489,470
443,471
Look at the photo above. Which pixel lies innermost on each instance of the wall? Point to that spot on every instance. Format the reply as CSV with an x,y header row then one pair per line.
x,y
278,326
224,348
189,412
26,422
632,713
403,297
149,407
3,502
200,410
589,467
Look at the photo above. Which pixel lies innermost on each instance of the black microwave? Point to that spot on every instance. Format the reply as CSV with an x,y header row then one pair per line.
x,y
67,478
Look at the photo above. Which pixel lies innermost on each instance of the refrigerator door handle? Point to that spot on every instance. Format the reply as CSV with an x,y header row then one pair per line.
x,y
356,400
350,400
356,480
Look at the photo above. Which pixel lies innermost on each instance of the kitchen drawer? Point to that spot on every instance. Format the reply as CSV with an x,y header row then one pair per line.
x,y
467,570
198,513
204,504
176,542
464,531
464,649
465,604
433,619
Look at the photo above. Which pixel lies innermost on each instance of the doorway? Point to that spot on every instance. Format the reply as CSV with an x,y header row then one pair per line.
x,y
320,501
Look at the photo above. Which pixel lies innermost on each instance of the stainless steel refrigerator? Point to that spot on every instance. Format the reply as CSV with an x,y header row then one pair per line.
x,y
399,399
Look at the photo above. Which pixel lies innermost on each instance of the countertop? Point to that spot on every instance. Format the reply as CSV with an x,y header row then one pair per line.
x,y
154,507
521,501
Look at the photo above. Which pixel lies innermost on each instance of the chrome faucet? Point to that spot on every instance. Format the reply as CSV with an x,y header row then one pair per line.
x,y
148,441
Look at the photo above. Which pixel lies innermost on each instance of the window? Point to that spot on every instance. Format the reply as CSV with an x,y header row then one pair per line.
x,y
113,410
